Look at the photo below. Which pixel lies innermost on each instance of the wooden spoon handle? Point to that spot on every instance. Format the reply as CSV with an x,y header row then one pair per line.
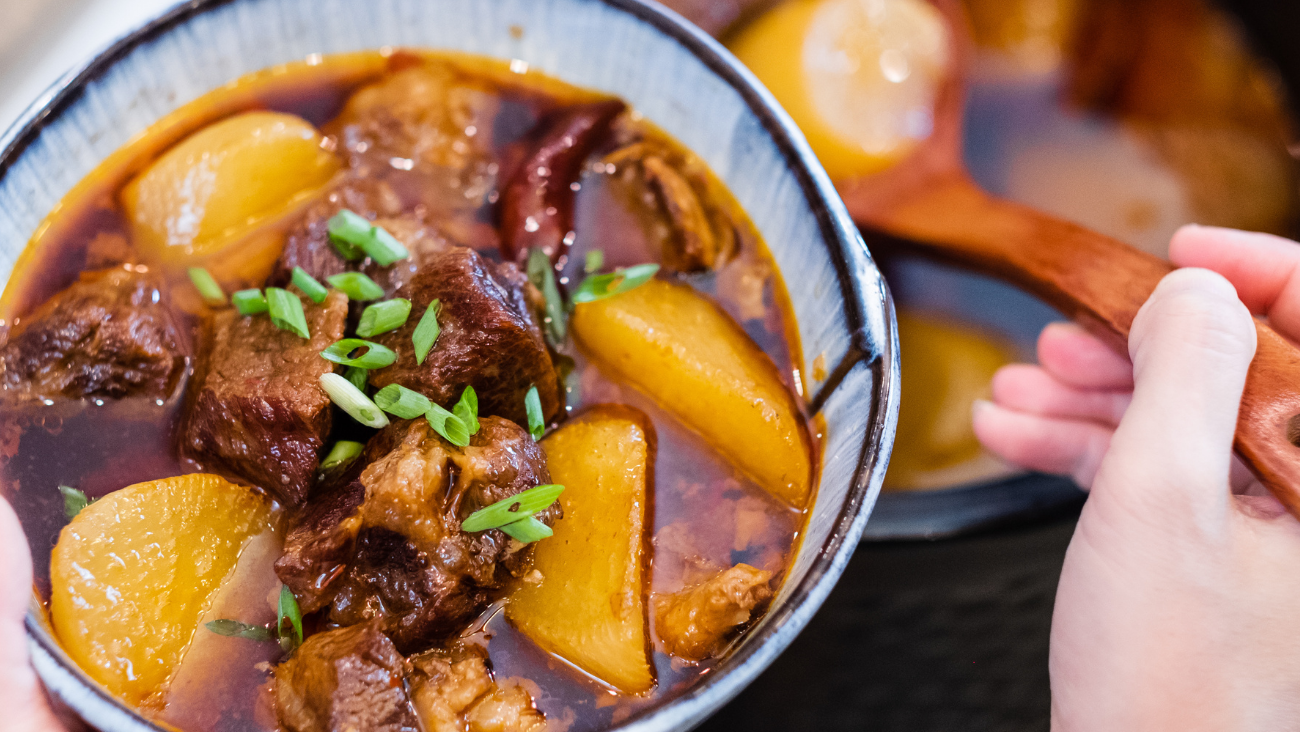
x,y
1100,282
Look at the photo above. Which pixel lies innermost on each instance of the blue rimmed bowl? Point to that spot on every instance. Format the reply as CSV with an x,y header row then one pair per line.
x,y
679,78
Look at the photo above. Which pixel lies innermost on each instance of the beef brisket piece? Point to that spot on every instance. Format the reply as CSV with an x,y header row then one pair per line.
x,y
109,335
453,691
258,414
693,624
388,543
490,339
345,680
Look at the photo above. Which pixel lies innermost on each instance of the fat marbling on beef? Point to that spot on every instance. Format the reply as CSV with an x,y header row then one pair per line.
x,y
387,543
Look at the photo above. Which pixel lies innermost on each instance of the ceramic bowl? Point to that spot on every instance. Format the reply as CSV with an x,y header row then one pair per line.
x,y
677,77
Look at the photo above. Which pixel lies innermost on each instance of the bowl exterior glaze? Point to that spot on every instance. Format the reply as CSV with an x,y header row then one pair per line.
x,y
671,72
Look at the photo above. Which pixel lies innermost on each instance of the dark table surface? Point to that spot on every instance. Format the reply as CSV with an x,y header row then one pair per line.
x,y
921,637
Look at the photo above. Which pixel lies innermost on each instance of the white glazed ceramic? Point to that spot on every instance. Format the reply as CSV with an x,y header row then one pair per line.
x,y
677,76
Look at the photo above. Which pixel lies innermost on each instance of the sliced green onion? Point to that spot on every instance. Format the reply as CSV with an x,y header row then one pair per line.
x,y
448,425
528,530
286,311
383,247
542,275
402,402
599,287
347,227
594,261
357,376
343,452
375,357
351,232
533,407
236,629
353,401
207,286
249,302
426,331
288,609
508,510
466,410
383,317
73,500
356,286
309,286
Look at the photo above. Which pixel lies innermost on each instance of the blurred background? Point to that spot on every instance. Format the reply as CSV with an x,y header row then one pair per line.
x,y
1130,117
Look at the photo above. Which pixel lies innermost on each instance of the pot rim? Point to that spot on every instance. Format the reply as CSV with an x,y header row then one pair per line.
x,y
864,293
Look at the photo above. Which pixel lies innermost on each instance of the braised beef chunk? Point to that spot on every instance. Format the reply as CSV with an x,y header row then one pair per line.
x,y
345,680
490,339
453,691
388,544
692,624
109,335
537,201
258,413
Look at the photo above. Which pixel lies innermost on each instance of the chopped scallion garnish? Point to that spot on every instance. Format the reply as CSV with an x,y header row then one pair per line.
x,y
375,357
286,311
207,286
353,234
353,401
343,452
236,629
533,407
594,261
383,247
249,302
309,286
426,332
466,410
528,530
346,227
287,609
402,402
356,286
542,275
508,510
73,500
382,317
599,287
357,376
448,425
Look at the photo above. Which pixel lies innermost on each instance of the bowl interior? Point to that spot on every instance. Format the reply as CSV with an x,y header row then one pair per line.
x,y
676,76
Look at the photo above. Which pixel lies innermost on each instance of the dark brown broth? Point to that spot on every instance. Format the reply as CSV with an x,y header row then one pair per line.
x,y
727,518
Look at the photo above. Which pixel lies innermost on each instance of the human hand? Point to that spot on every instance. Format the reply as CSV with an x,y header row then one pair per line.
x,y
26,708
1178,606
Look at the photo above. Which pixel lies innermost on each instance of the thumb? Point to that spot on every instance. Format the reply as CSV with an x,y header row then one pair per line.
x,y
1191,345
21,697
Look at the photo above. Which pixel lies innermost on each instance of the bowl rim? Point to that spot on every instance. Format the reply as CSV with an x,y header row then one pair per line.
x,y
862,289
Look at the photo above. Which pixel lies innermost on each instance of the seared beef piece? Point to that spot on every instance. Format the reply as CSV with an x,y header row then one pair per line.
x,y
537,201
453,691
490,339
692,624
258,414
345,680
109,335
388,544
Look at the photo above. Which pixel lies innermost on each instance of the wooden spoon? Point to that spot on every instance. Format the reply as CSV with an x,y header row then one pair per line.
x,y
929,201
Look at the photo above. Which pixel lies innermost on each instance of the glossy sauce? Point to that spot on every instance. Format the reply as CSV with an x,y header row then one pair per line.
x,y
697,498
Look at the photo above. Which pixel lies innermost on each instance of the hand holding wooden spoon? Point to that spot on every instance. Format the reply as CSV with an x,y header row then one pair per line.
x,y
930,202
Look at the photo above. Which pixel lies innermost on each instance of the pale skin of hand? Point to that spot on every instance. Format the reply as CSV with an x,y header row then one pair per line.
x,y
25,706
1178,606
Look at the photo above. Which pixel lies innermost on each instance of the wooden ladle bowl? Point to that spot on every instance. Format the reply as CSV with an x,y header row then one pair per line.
x,y
928,202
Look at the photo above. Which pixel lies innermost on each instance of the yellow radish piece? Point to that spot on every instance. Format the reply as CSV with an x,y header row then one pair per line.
x,y
134,571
